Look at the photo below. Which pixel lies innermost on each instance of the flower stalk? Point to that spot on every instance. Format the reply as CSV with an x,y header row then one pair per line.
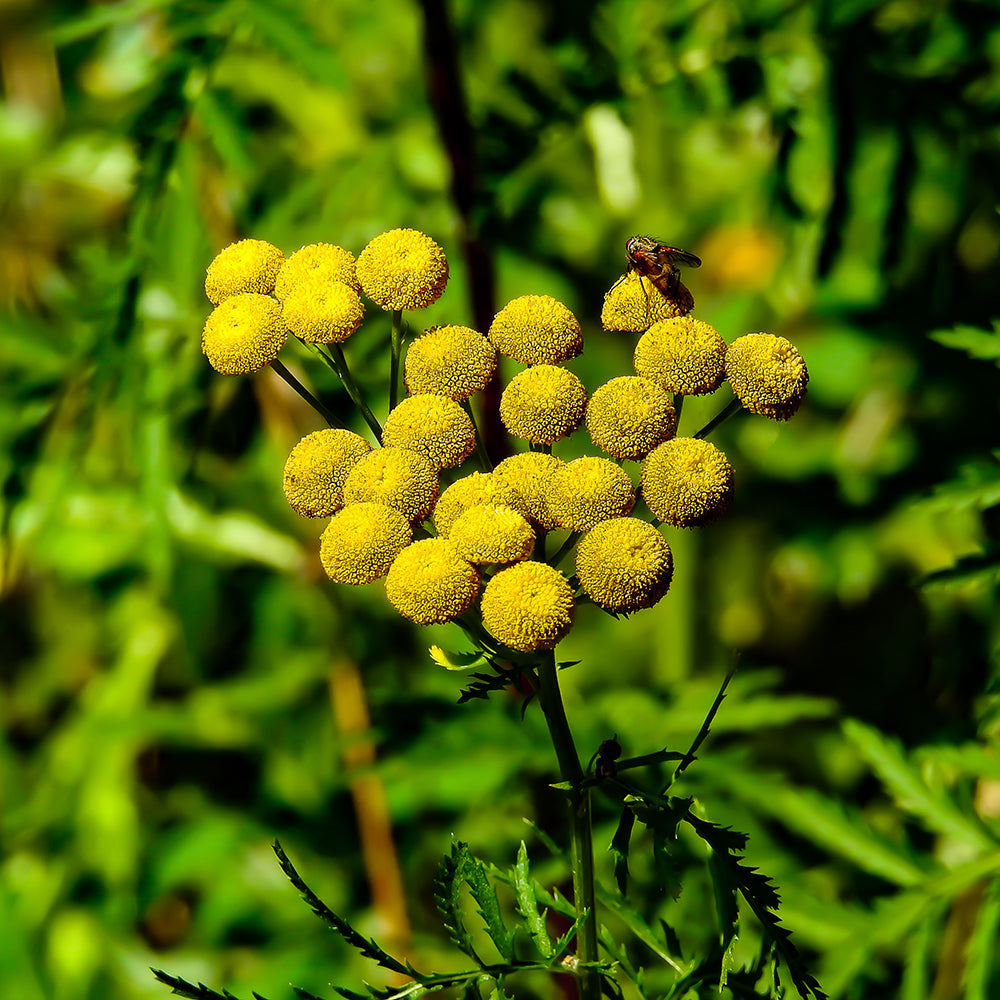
x,y
295,384
550,698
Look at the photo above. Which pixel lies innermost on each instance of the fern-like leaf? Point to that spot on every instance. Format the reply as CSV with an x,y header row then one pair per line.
x,y
367,947
194,991
762,898
620,844
483,685
706,726
527,903
484,893
447,899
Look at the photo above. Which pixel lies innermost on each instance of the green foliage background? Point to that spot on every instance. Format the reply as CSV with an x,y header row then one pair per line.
x,y
166,642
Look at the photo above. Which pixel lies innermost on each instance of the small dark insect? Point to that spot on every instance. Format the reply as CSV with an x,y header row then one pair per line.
x,y
650,258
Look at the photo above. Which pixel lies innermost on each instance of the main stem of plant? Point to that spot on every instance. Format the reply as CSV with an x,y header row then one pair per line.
x,y
550,698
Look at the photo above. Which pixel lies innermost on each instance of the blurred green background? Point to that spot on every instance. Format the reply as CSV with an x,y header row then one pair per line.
x,y
179,685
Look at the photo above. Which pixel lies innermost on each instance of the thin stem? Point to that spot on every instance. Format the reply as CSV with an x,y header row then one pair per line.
x,y
342,369
281,370
550,698
481,453
734,406
397,350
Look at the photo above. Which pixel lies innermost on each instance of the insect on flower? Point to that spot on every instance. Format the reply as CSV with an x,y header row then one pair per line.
x,y
650,258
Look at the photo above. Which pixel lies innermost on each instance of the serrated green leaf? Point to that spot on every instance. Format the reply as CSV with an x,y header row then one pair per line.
x,y
983,568
983,345
454,660
896,916
727,911
981,949
620,844
527,903
366,946
448,900
841,830
903,780
918,959
976,485
485,895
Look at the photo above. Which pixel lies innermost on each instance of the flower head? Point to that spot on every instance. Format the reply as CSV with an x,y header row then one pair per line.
x,y
402,269
429,582
687,482
629,416
528,475
528,606
543,404
477,489
360,543
320,311
244,333
536,330
398,478
246,266
317,260
433,426
317,468
453,361
624,564
768,374
492,534
587,491
635,303
683,355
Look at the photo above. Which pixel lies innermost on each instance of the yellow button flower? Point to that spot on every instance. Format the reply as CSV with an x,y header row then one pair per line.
x,y
536,330
474,490
244,333
317,468
529,474
396,477
768,374
543,404
492,534
629,416
453,361
317,260
589,490
433,426
683,355
246,266
402,269
360,543
624,565
431,583
528,606
634,304
320,311
687,482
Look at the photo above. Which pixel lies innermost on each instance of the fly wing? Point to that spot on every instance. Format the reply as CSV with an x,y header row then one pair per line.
x,y
673,256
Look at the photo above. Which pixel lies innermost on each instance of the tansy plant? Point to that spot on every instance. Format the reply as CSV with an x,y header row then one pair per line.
x,y
508,552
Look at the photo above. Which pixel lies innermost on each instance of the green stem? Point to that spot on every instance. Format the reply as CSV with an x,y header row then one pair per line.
x,y
397,350
336,361
342,369
281,370
484,458
734,406
550,698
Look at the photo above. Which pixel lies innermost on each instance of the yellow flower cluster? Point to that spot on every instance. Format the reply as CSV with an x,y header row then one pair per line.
x,y
489,528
